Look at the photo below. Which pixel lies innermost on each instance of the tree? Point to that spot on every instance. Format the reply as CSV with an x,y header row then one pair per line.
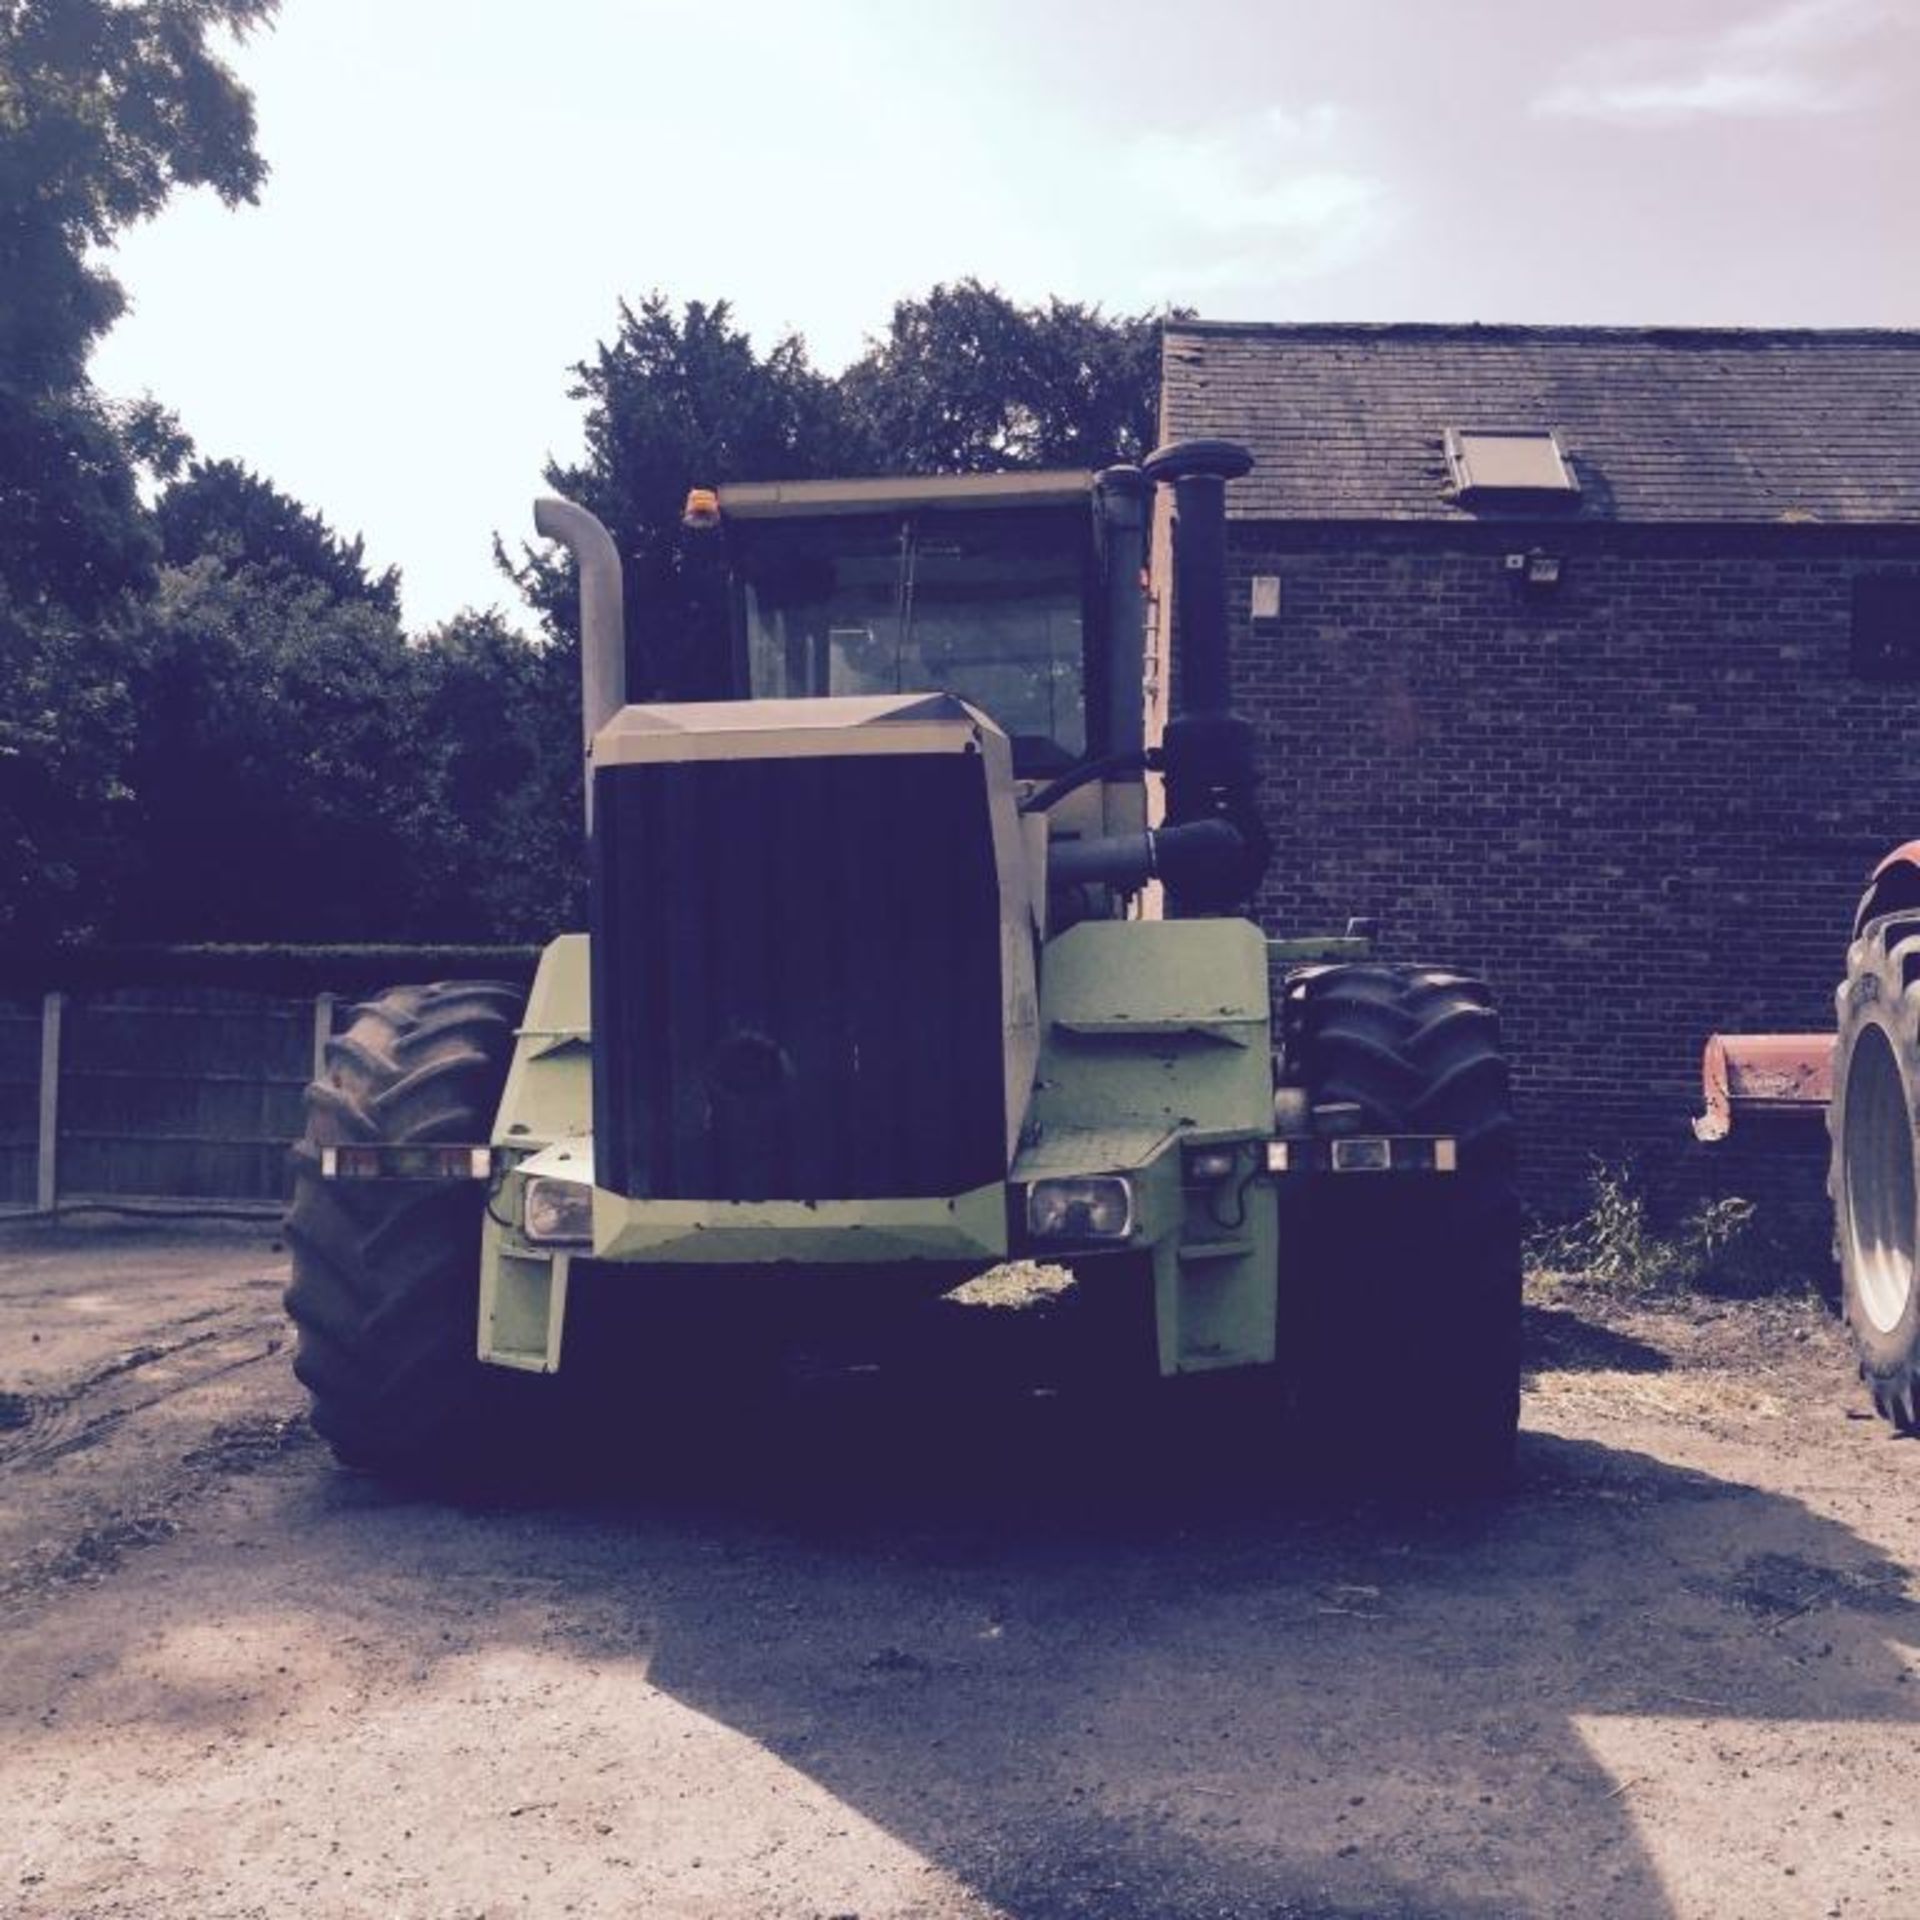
x,y
221,509
66,724
676,401
501,718
106,106
300,770
966,381
282,775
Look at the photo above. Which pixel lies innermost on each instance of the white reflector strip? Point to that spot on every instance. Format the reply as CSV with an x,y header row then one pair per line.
x,y
1356,1154
1365,1153
401,1162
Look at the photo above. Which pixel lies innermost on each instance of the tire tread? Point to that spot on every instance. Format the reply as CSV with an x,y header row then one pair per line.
x,y
1400,1320
384,1287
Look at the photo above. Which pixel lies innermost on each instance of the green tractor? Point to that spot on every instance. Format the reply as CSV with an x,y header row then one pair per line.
x,y
910,958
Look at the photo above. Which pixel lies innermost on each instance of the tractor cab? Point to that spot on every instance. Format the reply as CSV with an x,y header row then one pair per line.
x,y
997,588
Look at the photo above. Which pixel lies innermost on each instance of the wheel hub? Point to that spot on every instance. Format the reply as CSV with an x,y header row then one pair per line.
x,y
1878,1181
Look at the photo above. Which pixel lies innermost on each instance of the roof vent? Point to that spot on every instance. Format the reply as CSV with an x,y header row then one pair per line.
x,y
1493,467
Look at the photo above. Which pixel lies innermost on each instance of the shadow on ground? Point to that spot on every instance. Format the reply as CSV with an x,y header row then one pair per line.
x,y
1560,1340
1188,1687
1093,1669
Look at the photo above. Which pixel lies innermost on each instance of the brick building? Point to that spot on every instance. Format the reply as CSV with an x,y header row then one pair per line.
x,y
1585,659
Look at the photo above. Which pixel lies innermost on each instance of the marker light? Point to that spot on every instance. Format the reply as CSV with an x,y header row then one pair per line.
x,y
1203,1165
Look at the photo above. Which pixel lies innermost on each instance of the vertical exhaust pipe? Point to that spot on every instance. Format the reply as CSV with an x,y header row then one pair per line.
x,y
1120,494
1198,472
1207,755
603,633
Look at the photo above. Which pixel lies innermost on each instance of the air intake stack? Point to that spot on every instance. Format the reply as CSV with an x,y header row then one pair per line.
x,y
1207,755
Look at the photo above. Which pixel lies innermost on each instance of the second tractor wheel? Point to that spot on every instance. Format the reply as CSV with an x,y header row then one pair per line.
x,y
1876,1090
386,1273
1400,1293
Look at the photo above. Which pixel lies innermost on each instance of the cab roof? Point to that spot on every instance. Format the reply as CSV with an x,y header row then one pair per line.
x,y
772,499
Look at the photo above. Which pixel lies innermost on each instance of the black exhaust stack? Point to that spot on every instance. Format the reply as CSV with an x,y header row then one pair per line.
x,y
1207,755
1120,527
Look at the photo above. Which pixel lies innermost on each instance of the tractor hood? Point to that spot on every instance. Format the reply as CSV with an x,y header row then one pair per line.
x,y
840,726
814,970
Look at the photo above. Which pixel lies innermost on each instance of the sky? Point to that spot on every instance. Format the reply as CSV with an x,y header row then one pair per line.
x,y
463,191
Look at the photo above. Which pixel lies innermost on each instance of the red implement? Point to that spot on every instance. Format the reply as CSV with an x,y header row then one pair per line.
x,y
1764,1075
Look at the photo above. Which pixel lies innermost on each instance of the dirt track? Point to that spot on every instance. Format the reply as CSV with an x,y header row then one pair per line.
x,y
1672,1675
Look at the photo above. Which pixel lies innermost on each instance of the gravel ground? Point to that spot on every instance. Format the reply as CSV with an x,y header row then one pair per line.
x,y
972,1666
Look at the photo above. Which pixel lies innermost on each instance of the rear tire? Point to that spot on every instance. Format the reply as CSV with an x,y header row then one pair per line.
x,y
1399,1334
1876,1089
386,1273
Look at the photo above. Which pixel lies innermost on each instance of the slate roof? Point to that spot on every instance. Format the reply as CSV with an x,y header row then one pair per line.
x,y
1662,425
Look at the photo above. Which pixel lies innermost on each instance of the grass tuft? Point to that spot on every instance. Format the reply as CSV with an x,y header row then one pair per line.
x,y
1614,1246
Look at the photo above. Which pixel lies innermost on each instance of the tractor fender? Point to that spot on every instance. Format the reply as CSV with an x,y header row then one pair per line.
x,y
1894,887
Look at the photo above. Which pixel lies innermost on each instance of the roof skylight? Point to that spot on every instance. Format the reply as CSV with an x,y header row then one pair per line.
x,y
1489,465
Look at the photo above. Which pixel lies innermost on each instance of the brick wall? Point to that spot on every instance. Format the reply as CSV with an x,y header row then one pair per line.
x,y
1642,802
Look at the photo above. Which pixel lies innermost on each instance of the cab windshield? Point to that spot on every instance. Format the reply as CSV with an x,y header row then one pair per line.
x,y
984,604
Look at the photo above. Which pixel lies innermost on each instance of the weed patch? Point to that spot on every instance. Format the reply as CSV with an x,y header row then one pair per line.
x,y
1615,1246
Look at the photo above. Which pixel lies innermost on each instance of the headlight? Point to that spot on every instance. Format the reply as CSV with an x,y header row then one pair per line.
x,y
1099,1207
558,1210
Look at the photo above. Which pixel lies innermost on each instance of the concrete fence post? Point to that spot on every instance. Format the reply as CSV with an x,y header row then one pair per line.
x,y
322,1032
47,1186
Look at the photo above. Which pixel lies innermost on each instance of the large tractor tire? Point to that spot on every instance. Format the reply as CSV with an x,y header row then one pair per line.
x,y
1876,1093
1399,1326
386,1273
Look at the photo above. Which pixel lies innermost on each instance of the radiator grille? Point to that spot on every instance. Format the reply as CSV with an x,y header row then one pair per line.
x,y
796,979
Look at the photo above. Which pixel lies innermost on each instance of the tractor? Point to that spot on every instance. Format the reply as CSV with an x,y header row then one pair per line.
x,y
1863,1080
1871,1116
910,955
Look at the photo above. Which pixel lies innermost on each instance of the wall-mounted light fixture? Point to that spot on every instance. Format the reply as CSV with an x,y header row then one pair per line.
x,y
1535,569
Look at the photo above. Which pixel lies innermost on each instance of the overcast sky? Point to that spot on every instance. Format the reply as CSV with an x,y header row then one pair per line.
x,y
462,191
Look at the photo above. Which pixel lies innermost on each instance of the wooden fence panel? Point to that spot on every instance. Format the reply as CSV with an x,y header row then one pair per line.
x,y
19,1102
180,1093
